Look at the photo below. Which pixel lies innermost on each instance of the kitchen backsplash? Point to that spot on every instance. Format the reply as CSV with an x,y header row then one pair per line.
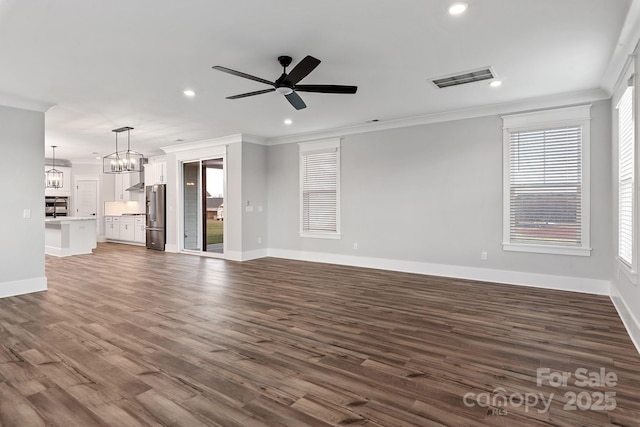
x,y
124,207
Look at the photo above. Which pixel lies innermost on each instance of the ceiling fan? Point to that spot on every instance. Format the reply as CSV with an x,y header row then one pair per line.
x,y
287,83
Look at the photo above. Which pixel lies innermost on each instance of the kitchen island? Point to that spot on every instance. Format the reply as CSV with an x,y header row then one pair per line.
x,y
66,236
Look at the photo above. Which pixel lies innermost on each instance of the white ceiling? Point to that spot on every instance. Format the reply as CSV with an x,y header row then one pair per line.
x,y
104,64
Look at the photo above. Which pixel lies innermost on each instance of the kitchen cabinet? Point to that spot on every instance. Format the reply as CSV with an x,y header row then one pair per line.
x,y
112,228
125,229
66,182
140,234
155,172
66,236
124,181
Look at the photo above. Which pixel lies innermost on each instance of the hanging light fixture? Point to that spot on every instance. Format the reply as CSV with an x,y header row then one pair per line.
x,y
123,161
53,177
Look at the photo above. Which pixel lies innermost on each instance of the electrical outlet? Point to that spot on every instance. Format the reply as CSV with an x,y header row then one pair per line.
x,y
26,213
259,240
483,256
355,246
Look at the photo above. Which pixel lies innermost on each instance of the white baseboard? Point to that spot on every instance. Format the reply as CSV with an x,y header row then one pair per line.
x,y
545,281
630,322
246,255
233,255
26,286
53,251
255,254
171,248
63,252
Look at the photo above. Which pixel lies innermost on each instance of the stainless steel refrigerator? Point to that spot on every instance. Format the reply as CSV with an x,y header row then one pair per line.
x,y
156,215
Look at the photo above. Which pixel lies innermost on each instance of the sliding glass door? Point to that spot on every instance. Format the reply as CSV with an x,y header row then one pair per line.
x,y
213,217
203,206
191,205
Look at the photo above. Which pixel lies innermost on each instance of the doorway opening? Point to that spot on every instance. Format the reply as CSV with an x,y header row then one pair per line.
x,y
203,206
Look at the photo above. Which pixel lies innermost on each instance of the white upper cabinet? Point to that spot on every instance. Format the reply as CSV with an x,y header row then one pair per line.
x,y
155,172
66,182
122,182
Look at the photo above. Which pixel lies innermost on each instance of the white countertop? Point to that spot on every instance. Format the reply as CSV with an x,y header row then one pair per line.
x,y
70,218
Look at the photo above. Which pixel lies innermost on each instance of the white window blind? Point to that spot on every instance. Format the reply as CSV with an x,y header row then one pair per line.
x,y
319,192
625,176
320,189
545,186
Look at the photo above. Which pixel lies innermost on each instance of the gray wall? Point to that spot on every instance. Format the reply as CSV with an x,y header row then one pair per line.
x,y
254,196
21,175
233,201
433,194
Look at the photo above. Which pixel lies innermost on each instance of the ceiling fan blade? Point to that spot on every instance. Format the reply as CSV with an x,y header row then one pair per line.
x,y
257,92
241,74
300,71
295,100
327,88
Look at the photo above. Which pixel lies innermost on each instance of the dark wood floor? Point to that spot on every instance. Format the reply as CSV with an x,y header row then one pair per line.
x,y
129,337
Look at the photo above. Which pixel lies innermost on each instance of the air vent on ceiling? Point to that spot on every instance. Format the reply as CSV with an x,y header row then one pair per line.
x,y
464,78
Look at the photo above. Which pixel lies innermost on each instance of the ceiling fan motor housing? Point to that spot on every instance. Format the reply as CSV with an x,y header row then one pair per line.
x,y
284,60
282,86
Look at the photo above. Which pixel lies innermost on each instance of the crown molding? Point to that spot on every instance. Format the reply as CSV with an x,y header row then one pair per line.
x,y
15,101
626,46
553,101
212,142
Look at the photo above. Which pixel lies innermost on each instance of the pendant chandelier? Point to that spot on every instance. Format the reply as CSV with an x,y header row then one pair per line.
x,y
123,161
53,177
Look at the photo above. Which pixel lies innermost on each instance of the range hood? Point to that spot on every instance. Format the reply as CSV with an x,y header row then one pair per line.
x,y
140,185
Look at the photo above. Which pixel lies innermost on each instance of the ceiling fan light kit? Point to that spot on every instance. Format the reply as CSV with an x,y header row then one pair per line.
x,y
287,83
284,90
123,161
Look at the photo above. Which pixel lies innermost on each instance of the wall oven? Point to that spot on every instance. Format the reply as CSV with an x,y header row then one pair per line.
x,y
56,206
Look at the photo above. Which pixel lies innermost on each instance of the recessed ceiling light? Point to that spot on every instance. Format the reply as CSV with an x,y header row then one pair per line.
x,y
189,92
495,83
458,8
288,121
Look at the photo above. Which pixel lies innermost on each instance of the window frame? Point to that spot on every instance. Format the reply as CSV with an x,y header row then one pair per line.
x,y
542,120
628,263
318,147
627,79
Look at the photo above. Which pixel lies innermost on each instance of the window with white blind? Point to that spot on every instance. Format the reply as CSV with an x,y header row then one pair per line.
x,y
320,189
546,181
625,177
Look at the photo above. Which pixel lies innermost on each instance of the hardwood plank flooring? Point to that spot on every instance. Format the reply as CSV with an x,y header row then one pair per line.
x,y
132,337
